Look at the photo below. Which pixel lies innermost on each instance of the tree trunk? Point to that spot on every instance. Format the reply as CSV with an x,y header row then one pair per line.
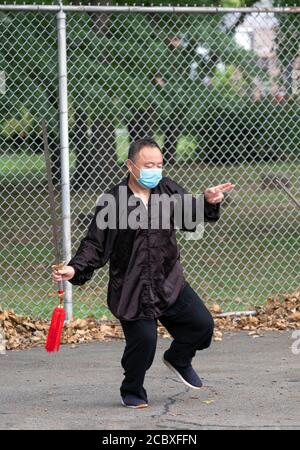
x,y
141,124
170,143
96,165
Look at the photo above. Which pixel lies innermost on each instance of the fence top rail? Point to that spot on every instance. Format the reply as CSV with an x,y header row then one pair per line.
x,y
150,9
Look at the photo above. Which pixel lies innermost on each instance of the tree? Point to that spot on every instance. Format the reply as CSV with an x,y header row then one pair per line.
x,y
168,74
29,63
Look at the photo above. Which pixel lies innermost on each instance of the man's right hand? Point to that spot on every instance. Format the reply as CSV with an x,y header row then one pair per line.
x,y
64,274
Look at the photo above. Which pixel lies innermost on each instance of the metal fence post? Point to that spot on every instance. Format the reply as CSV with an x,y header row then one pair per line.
x,y
64,152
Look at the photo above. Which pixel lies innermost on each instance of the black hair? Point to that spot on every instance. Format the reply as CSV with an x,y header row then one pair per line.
x,y
137,145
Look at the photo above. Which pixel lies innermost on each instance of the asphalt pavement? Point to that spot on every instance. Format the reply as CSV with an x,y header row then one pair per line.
x,y
249,383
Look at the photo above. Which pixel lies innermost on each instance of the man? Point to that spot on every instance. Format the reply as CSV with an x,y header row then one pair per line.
x,y
146,280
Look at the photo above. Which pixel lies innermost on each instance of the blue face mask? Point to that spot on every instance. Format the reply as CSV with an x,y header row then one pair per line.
x,y
149,178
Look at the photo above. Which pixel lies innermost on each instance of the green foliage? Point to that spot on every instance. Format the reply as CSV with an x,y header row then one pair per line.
x,y
111,75
288,37
29,63
248,132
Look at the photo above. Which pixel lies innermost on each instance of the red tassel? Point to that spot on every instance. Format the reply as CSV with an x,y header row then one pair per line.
x,y
55,330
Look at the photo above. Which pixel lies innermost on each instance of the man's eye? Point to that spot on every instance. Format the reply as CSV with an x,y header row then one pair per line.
x,y
152,166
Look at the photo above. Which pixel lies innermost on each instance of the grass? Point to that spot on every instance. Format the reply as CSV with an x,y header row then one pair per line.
x,y
32,298
251,253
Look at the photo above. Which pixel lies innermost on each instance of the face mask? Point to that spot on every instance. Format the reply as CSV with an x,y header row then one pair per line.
x,y
149,178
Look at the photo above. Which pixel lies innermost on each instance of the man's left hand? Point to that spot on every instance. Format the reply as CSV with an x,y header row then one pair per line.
x,y
215,194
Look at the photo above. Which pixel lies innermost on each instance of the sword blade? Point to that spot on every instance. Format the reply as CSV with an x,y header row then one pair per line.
x,y
55,232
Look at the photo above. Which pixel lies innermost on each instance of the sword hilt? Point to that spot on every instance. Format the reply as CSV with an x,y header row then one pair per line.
x,y
60,290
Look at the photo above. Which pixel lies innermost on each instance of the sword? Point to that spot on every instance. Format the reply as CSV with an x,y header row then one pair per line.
x,y
58,265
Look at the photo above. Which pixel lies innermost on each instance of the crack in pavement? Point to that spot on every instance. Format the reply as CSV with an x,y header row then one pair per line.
x,y
171,400
244,427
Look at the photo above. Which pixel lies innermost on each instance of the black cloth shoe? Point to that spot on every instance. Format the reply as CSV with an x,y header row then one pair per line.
x,y
186,374
132,401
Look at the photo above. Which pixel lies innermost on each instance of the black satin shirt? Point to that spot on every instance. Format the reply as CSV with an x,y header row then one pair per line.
x,y
145,273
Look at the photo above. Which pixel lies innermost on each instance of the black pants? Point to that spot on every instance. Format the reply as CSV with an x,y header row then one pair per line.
x,y
190,324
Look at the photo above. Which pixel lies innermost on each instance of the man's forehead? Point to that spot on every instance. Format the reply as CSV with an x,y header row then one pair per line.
x,y
150,153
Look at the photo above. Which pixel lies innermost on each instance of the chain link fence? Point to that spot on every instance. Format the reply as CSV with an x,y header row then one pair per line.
x,y
219,92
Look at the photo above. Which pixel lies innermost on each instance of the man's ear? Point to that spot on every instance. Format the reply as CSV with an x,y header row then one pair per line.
x,y
129,165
